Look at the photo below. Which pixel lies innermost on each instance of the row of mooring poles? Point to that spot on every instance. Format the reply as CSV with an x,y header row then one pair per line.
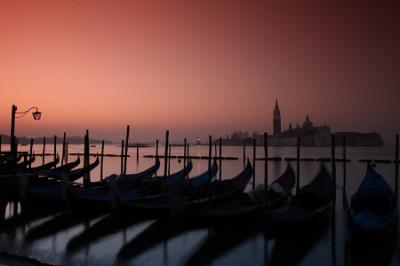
x,y
64,158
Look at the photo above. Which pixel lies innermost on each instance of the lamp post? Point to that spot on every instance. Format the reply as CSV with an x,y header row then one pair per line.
x,y
14,114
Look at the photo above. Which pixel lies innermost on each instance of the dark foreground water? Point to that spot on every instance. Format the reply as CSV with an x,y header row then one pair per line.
x,y
70,239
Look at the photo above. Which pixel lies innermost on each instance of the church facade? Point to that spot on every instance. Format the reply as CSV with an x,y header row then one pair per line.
x,y
309,134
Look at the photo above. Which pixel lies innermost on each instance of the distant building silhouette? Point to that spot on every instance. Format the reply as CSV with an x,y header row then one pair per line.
x,y
277,119
309,134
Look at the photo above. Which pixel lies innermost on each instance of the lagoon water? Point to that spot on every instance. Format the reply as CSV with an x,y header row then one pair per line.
x,y
173,243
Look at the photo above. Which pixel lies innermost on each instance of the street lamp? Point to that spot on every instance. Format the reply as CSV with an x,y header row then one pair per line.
x,y
14,114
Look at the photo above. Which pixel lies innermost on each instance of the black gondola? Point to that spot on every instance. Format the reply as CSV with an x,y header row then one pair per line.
x,y
373,210
310,204
246,204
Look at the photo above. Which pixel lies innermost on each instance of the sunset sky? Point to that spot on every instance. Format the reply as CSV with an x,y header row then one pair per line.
x,y
198,67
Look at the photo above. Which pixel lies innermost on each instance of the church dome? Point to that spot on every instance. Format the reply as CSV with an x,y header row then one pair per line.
x,y
307,123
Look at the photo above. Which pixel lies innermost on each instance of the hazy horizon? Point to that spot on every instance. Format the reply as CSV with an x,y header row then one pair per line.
x,y
198,68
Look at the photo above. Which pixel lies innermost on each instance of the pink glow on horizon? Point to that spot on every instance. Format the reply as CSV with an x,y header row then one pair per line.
x,y
198,67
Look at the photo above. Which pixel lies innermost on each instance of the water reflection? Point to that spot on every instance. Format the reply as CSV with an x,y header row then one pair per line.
x,y
108,225
105,239
158,232
223,238
60,222
290,248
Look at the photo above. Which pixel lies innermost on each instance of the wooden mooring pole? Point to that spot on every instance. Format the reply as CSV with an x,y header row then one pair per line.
x,y
188,156
55,150
63,149
298,166
66,152
44,150
169,158
397,167
266,169
156,154
126,147
254,163
166,153
122,156
334,179
30,153
209,165
184,157
344,165
244,153
220,159
86,159
102,160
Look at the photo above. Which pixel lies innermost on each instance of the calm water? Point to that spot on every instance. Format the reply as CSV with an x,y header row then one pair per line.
x,y
169,243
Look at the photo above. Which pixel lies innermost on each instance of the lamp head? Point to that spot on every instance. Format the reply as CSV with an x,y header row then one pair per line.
x,y
37,115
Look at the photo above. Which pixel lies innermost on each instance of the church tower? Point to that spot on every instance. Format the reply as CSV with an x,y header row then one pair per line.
x,y
277,119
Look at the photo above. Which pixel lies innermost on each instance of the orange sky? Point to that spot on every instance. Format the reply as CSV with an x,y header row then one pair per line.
x,y
198,67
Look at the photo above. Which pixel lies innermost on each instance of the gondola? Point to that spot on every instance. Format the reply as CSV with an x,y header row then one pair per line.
x,y
60,194
74,175
128,181
155,183
53,192
310,205
373,211
7,168
246,204
57,172
207,193
141,181
44,167
113,197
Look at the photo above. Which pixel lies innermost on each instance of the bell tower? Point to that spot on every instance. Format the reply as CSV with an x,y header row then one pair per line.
x,y
277,118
